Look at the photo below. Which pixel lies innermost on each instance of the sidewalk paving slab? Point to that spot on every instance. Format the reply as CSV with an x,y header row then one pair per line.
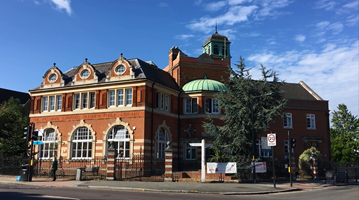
x,y
174,187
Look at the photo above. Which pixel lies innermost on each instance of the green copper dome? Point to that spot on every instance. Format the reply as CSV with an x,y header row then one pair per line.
x,y
204,85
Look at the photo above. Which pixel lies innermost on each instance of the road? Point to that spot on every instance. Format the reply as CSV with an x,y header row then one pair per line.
x,y
29,192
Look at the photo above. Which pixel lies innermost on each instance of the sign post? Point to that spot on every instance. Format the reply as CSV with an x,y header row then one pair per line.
x,y
272,142
203,157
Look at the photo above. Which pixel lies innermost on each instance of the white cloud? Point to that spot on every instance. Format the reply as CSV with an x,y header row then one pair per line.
x,y
197,2
214,6
267,8
324,26
183,37
237,2
63,4
162,4
336,27
352,20
299,38
352,5
324,4
332,72
234,15
36,2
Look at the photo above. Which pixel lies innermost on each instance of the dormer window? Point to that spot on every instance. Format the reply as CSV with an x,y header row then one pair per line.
x,y
120,69
85,73
52,78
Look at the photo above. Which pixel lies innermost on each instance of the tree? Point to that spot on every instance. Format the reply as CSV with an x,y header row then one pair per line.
x,y
13,120
245,96
304,161
344,135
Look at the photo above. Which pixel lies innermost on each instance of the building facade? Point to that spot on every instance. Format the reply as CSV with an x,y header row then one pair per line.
x,y
140,109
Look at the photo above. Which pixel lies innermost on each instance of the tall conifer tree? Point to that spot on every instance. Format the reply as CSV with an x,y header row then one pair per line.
x,y
245,96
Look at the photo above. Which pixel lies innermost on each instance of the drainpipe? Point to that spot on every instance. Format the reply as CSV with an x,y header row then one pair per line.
x,y
153,98
178,131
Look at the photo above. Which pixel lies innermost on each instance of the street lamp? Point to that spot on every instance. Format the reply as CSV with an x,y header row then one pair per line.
x,y
254,135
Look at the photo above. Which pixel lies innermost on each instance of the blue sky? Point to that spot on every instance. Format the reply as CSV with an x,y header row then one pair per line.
x,y
315,41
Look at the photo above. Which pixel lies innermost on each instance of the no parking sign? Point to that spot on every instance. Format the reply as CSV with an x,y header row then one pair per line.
x,y
272,139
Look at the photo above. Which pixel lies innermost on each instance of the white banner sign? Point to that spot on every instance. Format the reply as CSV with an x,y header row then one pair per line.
x,y
261,167
227,168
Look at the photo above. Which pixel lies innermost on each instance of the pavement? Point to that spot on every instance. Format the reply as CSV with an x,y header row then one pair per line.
x,y
175,187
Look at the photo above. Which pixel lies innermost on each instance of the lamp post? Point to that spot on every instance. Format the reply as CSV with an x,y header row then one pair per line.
x,y
254,136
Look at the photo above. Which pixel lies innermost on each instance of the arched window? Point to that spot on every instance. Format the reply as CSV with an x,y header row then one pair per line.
x,y
81,143
49,147
215,50
162,139
120,139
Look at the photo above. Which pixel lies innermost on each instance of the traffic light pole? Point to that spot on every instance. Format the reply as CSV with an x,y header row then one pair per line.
x,y
29,175
290,159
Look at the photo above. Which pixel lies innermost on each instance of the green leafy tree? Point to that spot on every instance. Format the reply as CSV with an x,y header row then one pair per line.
x,y
245,96
344,135
13,120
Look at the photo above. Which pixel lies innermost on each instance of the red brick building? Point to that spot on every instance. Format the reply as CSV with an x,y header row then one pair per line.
x,y
139,108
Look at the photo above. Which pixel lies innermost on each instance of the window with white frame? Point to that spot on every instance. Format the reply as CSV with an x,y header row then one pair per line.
x,y
59,103
84,100
50,144
211,106
81,143
163,101
287,120
191,106
119,97
190,152
119,137
310,121
51,103
162,139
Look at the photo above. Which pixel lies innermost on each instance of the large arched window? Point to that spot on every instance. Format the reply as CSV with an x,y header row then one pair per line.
x,y
81,143
49,147
162,139
120,139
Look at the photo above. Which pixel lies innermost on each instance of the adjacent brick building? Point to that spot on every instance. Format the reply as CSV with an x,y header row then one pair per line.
x,y
141,109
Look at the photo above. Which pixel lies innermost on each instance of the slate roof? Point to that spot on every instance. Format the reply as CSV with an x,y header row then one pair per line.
x,y
298,91
7,94
142,70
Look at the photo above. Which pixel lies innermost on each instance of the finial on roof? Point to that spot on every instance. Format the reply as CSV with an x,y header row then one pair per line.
x,y
54,64
216,28
121,55
205,76
85,59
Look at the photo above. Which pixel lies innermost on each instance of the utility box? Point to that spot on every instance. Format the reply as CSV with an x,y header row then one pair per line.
x,y
26,173
78,174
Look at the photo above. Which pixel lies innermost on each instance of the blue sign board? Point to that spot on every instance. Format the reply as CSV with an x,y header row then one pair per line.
x,y
37,142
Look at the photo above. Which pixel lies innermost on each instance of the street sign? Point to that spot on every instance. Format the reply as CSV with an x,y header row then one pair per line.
x,y
38,142
272,139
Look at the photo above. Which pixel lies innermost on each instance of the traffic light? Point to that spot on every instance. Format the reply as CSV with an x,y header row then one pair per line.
x,y
35,134
292,142
27,133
